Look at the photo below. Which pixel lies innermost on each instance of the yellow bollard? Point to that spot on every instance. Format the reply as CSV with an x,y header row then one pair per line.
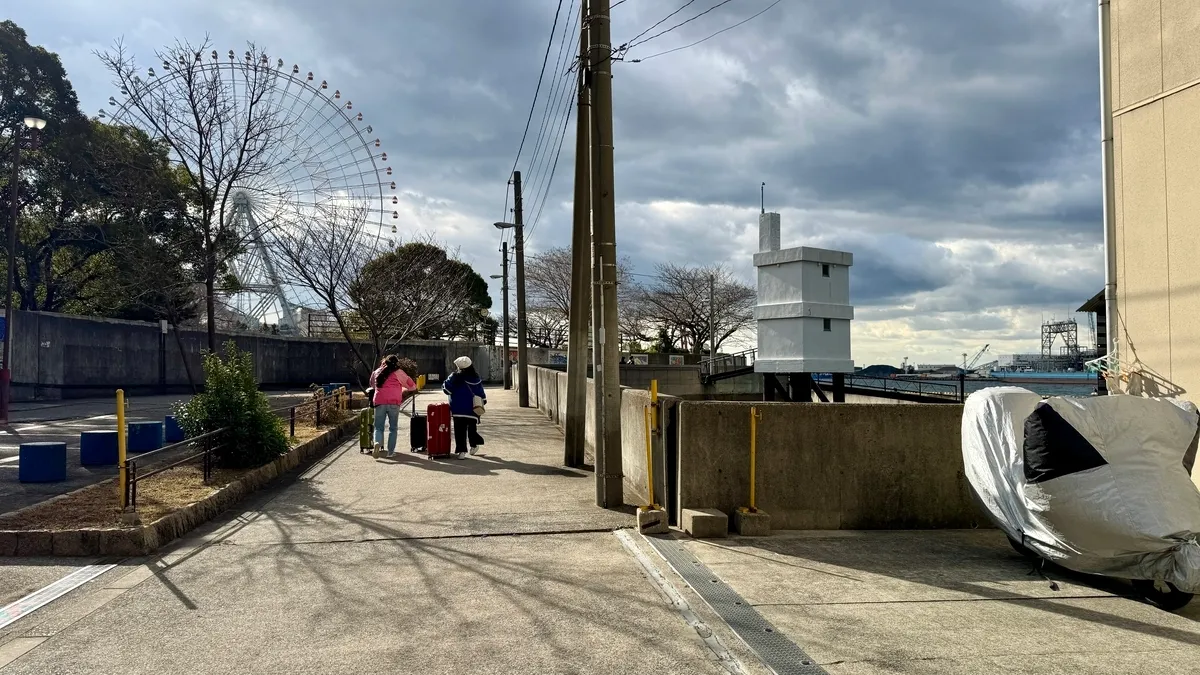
x,y
654,404
649,461
420,382
121,477
754,418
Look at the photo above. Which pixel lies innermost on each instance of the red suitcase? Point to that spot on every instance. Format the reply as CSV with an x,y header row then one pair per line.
x,y
437,430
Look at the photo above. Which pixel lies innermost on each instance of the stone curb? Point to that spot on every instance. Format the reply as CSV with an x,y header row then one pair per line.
x,y
145,539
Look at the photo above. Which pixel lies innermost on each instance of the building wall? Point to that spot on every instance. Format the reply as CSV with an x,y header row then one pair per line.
x,y
1156,124
60,356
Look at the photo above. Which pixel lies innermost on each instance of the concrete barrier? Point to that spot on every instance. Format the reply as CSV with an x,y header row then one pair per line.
x,y
548,393
172,432
43,462
828,466
144,436
98,448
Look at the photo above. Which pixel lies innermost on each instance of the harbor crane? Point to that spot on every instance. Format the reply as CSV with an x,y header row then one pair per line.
x,y
970,365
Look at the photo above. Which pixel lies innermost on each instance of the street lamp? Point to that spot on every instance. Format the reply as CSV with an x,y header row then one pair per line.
x,y
35,124
522,350
504,289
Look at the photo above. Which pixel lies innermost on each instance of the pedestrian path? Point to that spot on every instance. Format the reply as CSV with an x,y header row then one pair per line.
x,y
499,563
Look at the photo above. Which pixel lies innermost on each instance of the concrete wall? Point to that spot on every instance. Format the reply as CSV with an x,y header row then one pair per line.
x,y
1156,123
548,393
673,380
828,466
60,356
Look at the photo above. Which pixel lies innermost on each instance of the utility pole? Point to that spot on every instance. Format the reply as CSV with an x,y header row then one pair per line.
x,y
504,289
577,343
522,352
712,318
610,484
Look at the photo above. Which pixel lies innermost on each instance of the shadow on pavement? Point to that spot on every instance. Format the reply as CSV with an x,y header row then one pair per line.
x,y
953,561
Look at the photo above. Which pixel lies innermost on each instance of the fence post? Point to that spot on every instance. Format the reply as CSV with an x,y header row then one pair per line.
x,y
962,387
317,419
122,471
292,422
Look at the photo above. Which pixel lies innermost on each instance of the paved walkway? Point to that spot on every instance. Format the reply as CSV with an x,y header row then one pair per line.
x,y
495,564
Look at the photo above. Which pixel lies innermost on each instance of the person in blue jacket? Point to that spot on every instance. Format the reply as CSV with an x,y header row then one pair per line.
x,y
463,386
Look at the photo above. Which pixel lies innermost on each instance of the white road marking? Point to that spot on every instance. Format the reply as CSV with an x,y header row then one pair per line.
x,y
40,598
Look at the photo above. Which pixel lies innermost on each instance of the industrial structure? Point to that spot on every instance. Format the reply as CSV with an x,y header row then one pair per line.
x,y
803,316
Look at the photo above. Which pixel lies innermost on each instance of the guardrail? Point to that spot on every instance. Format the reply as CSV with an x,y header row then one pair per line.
x,y
210,442
953,390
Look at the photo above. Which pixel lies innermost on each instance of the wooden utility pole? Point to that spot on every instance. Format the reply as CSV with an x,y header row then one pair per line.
x,y
522,349
507,359
610,486
581,238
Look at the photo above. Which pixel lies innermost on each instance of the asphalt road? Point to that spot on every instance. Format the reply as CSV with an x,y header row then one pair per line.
x,y
64,421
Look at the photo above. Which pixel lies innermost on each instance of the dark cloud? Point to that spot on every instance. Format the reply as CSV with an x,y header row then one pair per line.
x,y
950,145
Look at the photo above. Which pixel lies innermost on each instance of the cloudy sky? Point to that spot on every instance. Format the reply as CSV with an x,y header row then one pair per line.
x,y
951,145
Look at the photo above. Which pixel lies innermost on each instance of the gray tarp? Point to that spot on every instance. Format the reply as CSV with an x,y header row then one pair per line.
x,y
1096,484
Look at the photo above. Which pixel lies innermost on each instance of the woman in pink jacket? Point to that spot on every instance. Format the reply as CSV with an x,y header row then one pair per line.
x,y
389,384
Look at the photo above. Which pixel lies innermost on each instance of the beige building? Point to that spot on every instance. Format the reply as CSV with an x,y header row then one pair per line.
x,y
1155,92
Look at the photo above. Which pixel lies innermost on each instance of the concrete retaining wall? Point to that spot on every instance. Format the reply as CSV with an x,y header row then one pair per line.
x,y
548,393
829,466
60,356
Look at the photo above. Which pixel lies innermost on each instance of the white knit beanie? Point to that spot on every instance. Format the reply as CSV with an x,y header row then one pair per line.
x,y
463,362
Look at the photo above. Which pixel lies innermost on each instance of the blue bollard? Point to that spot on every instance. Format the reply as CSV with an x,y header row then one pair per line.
x,y
42,462
144,436
172,430
98,448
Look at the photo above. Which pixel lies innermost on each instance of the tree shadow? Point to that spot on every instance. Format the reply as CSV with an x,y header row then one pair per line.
x,y
958,561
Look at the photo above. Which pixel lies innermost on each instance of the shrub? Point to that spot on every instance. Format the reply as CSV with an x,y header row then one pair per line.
x,y
231,399
409,367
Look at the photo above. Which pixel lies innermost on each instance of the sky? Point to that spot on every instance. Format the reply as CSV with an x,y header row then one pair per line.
x,y
952,146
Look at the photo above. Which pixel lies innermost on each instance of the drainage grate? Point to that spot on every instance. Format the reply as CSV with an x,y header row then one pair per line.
x,y
778,652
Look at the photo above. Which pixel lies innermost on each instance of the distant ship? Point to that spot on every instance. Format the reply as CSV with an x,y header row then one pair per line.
x,y
1043,377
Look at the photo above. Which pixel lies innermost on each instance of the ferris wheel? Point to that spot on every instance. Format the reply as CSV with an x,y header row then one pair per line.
x,y
322,156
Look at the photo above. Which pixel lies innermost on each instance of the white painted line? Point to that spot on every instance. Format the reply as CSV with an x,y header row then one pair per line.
x,y
7,460
40,598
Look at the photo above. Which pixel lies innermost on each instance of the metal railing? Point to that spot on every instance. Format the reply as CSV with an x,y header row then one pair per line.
x,y
952,390
211,443
725,362
339,399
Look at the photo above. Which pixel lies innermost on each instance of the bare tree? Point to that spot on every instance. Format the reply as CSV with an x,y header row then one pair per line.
x,y
324,255
548,285
227,133
678,302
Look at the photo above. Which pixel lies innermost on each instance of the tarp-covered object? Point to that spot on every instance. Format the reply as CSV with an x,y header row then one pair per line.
x,y
1099,484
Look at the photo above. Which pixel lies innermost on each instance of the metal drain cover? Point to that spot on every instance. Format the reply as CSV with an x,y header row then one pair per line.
x,y
774,649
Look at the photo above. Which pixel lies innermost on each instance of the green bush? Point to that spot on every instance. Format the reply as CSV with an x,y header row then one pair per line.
x,y
231,399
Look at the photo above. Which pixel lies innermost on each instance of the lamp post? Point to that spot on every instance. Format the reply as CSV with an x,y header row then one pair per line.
x,y
522,349
35,124
504,288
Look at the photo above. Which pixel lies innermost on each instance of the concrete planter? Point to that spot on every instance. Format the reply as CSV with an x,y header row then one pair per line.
x,y
146,539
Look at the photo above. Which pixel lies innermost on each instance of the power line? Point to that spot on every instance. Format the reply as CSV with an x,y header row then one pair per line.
x,y
661,21
553,169
533,105
551,114
633,44
744,21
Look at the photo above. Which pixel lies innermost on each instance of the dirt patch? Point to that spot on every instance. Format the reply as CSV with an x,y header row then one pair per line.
x,y
95,507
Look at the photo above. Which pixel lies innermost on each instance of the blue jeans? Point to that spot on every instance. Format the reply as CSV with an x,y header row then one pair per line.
x,y
384,413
